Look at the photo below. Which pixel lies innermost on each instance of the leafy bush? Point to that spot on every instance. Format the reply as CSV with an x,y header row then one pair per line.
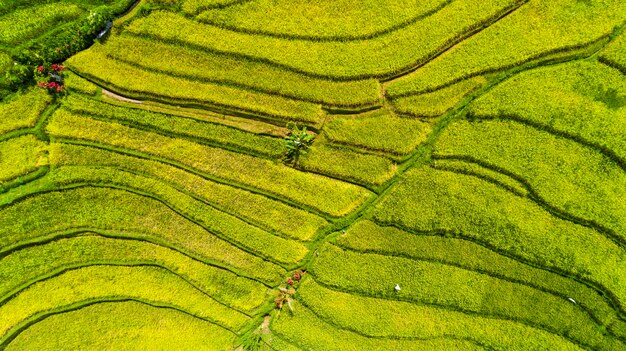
x,y
50,78
297,143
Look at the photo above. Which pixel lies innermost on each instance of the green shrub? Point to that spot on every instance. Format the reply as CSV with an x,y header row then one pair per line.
x,y
142,84
380,57
125,215
122,325
451,287
574,179
537,29
262,211
321,193
429,200
81,286
64,41
212,133
297,143
379,131
34,263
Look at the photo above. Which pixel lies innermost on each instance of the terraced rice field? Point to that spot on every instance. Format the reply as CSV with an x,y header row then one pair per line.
x,y
465,190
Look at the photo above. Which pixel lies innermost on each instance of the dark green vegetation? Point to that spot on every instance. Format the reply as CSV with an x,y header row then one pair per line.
x,y
463,188
34,32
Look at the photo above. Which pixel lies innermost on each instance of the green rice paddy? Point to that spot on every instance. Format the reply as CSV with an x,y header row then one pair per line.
x,y
465,188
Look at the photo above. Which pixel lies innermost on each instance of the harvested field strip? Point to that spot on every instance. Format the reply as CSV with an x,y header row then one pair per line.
x,y
321,193
239,73
223,225
331,20
367,237
240,123
484,173
142,84
585,184
614,55
22,110
20,156
212,134
308,332
122,212
439,102
335,60
538,29
449,287
30,264
484,212
378,131
100,282
583,101
266,213
389,319
364,169
127,324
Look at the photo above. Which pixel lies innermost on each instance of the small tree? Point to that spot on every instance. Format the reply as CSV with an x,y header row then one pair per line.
x,y
50,78
297,143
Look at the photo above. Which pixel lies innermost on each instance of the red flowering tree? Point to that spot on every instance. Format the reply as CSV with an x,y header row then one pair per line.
x,y
50,78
